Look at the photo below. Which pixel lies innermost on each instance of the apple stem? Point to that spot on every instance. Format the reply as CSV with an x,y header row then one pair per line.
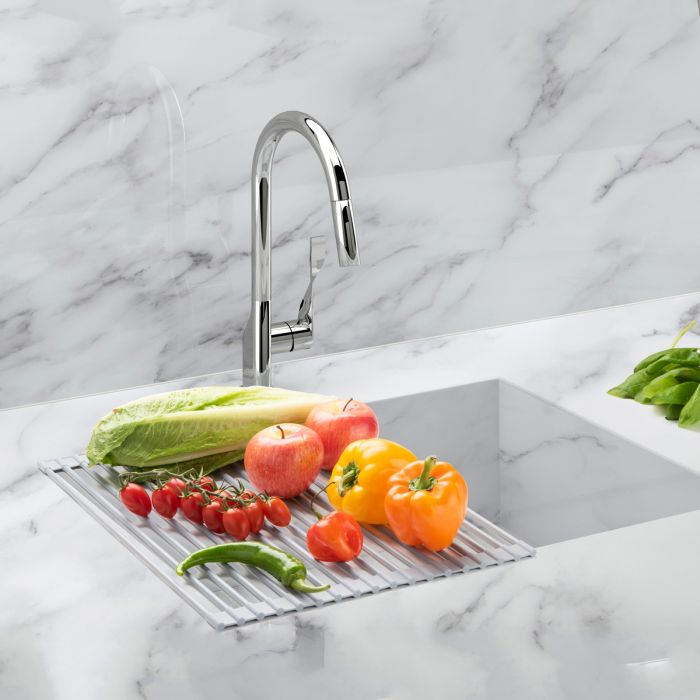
x,y
347,404
279,427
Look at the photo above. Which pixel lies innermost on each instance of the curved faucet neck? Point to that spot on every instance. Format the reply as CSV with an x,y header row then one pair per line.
x,y
338,191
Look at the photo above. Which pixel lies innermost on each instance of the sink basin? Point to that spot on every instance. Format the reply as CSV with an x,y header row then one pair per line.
x,y
535,469
541,473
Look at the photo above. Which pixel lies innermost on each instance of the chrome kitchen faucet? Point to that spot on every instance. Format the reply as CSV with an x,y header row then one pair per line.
x,y
260,336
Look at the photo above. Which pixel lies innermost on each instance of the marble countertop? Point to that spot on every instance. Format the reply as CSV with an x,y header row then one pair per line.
x,y
613,615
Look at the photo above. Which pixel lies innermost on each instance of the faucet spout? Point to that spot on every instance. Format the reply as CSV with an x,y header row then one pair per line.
x,y
257,336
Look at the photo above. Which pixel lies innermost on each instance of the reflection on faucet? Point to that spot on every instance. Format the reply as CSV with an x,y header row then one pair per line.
x,y
260,335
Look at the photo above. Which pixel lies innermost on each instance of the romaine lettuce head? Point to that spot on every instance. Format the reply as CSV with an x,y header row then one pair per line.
x,y
206,426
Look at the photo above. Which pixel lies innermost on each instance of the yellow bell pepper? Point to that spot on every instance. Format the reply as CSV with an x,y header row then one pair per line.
x,y
359,481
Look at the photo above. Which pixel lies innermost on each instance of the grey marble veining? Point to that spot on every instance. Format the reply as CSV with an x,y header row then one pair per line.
x,y
507,162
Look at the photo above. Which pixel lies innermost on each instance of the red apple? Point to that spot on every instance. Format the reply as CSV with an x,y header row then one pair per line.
x,y
284,459
340,422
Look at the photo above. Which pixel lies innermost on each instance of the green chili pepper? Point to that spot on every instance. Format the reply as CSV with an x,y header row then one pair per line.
x,y
287,569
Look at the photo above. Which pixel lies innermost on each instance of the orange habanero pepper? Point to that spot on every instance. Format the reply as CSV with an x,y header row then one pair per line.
x,y
426,504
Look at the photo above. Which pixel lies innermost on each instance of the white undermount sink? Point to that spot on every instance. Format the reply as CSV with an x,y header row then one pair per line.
x,y
535,469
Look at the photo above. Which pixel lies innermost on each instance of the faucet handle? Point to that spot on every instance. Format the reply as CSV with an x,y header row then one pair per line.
x,y
317,256
298,335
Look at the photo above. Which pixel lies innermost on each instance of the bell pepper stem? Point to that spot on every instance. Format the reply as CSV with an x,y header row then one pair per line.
x,y
348,478
425,482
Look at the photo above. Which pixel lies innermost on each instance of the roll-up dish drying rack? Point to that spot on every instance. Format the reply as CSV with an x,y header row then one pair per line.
x,y
232,595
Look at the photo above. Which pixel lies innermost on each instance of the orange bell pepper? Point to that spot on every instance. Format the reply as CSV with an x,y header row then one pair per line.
x,y
426,504
358,482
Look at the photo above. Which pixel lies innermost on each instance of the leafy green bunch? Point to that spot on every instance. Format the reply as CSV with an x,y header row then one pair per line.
x,y
669,379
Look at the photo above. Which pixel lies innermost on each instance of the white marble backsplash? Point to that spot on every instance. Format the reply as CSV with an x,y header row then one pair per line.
x,y
508,161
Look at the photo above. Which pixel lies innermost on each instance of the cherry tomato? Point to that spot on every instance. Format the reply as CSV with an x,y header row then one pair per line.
x,y
212,516
277,512
165,502
136,499
236,523
335,537
192,506
177,486
206,483
255,513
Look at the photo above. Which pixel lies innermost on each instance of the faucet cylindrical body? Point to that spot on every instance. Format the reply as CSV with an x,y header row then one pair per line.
x,y
257,334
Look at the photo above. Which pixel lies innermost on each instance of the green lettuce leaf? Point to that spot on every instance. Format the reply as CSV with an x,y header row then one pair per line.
x,y
205,425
